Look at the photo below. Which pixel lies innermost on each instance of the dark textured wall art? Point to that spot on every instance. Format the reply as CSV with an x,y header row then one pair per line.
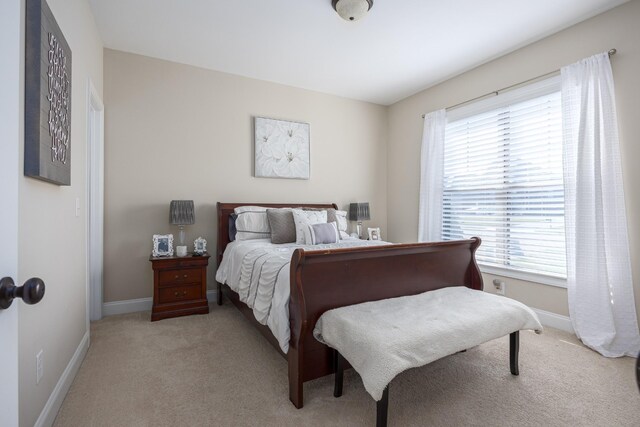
x,y
47,153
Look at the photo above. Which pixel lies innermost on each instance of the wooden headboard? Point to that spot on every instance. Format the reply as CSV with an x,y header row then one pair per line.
x,y
226,209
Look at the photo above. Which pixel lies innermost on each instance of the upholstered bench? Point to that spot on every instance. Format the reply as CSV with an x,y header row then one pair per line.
x,y
381,339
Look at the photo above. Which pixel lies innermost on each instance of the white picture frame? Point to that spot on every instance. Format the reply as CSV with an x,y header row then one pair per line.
x,y
281,149
374,233
162,245
199,246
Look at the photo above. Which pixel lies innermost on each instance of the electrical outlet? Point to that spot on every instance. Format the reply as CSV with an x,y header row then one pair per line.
x,y
39,367
500,286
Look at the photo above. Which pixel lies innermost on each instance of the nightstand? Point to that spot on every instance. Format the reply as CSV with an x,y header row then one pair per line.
x,y
179,286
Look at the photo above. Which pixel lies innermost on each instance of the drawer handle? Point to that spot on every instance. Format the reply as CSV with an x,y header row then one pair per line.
x,y
176,293
184,293
185,276
176,276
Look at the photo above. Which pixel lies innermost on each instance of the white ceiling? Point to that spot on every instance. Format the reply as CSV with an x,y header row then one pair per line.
x,y
398,49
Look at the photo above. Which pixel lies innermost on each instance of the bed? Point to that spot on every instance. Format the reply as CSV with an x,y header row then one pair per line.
x,y
330,277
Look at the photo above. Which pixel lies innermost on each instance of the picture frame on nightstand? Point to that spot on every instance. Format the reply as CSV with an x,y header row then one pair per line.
x,y
199,246
162,245
374,233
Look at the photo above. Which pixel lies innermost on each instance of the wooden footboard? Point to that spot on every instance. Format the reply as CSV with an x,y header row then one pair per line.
x,y
327,279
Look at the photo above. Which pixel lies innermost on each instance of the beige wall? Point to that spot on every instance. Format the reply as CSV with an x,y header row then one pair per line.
x,y
52,240
618,29
179,132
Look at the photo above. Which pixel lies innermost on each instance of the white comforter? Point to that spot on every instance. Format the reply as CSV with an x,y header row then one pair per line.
x,y
381,339
258,271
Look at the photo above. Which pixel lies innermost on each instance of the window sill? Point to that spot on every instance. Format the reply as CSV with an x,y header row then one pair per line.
x,y
528,277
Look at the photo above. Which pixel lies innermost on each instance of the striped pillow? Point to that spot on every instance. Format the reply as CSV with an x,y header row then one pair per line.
x,y
323,233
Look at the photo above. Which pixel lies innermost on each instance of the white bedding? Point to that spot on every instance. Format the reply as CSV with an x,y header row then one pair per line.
x,y
258,271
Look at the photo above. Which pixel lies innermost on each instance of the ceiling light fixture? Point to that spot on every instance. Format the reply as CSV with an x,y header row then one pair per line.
x,y
352,10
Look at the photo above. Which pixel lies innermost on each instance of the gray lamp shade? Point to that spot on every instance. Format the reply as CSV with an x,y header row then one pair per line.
x,y
359,212
182,212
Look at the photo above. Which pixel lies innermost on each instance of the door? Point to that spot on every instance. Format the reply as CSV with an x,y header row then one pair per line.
x,y
10,119
95,200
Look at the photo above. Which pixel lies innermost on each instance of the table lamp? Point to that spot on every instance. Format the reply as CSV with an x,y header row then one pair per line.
x,y
181,213
359,212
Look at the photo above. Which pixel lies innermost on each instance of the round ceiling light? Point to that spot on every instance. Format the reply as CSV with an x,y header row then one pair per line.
x,y
352,10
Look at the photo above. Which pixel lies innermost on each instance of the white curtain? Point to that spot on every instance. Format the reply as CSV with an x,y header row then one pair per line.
x,y
431,176
600,287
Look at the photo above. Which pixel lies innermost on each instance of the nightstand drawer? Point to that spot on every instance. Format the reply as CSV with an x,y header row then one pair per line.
x,y
179,293
175,277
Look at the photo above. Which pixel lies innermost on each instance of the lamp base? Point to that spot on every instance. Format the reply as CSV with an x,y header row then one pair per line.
x,y
181,251
359,229
181,234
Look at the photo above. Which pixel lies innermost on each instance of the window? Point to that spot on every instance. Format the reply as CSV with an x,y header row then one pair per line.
x,y
503,180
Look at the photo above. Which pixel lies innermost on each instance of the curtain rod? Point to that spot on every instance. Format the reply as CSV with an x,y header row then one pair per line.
x,y
497,92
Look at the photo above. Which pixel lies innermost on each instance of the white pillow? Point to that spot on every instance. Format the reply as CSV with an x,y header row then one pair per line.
x,y
303,219
252,223
341,218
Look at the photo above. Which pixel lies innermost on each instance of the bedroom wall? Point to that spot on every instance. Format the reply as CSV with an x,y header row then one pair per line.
x,y
52,240
175,131
617,28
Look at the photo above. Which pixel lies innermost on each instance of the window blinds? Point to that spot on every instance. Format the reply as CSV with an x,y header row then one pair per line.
x,y
503,181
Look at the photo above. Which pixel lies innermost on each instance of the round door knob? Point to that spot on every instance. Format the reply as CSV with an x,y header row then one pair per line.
x,y
31,292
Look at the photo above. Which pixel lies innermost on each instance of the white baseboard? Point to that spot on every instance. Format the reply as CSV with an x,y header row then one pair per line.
x,y
554,320
126,306
51,408
140,304
547,318
212,295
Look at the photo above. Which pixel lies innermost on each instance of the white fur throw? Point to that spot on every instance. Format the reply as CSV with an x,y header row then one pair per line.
x,y
381,339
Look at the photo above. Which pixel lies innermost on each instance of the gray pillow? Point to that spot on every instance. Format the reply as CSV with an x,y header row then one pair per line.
x,y
283,228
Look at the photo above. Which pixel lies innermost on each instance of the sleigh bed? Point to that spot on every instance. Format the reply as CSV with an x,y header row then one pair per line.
x,y
324,279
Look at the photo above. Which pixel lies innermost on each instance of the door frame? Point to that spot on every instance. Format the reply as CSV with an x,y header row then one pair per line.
x,y
11,137
95,203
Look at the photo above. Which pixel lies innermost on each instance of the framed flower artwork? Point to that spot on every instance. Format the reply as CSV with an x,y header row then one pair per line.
x,y
281,149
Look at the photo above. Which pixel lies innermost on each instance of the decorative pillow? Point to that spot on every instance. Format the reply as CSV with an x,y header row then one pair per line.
x,y
340,217
323,233
304,218
252,223
232,227
282,225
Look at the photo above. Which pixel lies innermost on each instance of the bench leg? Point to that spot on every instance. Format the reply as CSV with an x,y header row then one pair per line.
x,y
382,409
514,348
338,362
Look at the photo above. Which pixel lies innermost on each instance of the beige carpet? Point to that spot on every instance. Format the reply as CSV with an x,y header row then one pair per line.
x,y
216,370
